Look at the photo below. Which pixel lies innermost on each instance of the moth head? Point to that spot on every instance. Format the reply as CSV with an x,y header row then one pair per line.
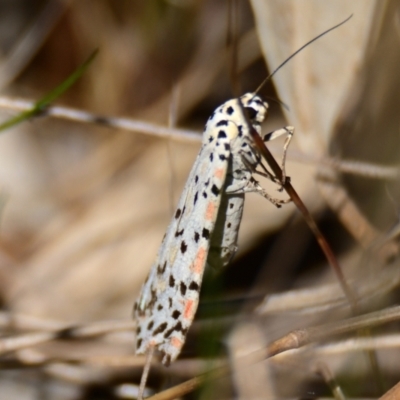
x,y
255,107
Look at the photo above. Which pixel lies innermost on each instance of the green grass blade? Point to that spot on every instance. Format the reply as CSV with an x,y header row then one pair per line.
x,y
44,102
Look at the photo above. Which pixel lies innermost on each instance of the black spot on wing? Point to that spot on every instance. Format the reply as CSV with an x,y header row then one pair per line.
x,y
160,307
205,233
168,332
194,286
215,190
150,325
180,328
227,146
211,157
139,342
161,328
183,288
196,237
224,122
231,205
176,314
195,197
183,247
164,267
170,302
196,179
171,281
153,298
210,139
222,157
179,233
178,213
229,225
205,195
177,328
230,110
221,134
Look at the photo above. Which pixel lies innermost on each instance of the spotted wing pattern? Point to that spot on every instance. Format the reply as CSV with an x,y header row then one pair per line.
x,y
204,227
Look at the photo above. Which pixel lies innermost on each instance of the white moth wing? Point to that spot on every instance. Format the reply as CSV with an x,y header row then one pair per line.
x,y
170,295
226,232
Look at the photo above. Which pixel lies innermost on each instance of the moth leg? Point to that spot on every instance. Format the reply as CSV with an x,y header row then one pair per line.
x,y
240,184
289,131
254,186
268,175
252,167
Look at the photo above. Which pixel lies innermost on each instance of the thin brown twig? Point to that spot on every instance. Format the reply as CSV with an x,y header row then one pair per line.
x,y
128,124
368,170
351,297
14,343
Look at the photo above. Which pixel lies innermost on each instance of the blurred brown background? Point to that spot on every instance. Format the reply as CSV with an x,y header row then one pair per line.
x,y
84,206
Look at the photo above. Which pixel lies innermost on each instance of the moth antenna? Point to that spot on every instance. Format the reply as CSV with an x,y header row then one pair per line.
x,y
232,44
298,51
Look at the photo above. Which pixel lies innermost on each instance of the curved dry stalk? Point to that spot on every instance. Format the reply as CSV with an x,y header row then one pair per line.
x,y
127,124
354,167
361,343
36,358
66,333
301,337
350,167
325,297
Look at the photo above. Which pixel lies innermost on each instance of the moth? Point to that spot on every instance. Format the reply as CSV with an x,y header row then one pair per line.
x,y
204,229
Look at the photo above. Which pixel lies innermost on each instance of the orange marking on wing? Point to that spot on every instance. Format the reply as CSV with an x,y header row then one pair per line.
x,y
210,211
219,173
199,261
188,312
177,343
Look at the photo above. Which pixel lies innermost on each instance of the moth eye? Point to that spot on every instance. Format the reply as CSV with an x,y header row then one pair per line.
x,y
251,112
